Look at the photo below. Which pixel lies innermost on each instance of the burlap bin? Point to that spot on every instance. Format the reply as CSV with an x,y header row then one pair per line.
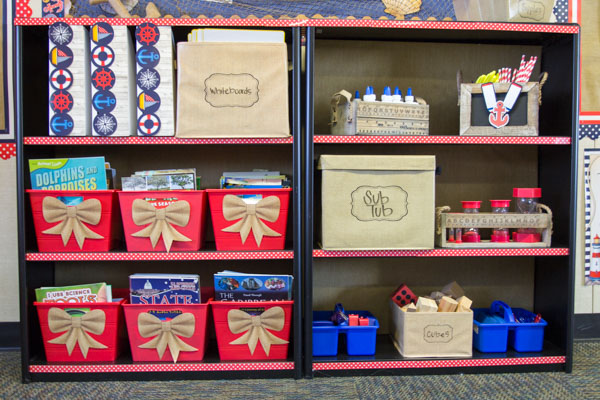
x,y
232,90
377,202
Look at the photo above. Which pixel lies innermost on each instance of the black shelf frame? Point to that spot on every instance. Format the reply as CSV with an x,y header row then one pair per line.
x,y
33,274
552,274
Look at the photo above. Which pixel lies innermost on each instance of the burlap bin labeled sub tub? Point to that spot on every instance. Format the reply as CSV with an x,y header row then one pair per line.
x,y
377,202
232,90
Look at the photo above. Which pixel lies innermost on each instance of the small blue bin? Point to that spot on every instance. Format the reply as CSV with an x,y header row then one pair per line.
x,y
360,340
495,328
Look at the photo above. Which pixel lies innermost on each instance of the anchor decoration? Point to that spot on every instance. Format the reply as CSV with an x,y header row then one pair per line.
x,y
500,109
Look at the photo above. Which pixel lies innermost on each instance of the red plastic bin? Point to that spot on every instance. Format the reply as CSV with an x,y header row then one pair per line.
x,y
105,223
190,332
272,222
193,228
236,321
104,329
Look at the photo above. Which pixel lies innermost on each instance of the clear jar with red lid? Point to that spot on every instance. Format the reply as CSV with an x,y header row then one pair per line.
x,y
526,201
500,207
470,235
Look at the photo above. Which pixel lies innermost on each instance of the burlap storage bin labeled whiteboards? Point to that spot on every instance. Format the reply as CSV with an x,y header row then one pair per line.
x,y
377,202
432,334
232,90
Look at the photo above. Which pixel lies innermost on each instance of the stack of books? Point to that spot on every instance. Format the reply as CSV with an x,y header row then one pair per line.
x,y
166,179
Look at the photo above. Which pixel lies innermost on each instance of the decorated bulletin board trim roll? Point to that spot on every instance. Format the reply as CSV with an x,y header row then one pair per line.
x,y
76,329
250,216
103,78
167,333
255,328
71,219
161,221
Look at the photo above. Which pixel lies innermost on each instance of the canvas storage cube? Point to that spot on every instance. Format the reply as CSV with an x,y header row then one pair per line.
x,y
377,202
232,90
432,334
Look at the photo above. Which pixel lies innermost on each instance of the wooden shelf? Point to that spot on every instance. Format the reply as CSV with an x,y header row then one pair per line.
x,y
137,140
556,140
161,256
551,251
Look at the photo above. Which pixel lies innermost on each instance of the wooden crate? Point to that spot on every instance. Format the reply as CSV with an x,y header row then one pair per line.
x,y
445,220
356,117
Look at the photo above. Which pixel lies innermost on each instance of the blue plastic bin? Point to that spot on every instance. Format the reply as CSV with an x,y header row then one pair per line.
x,y
360,340
495,328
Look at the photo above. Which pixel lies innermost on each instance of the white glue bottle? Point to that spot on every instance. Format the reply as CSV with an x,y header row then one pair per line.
x,y
397,96
387,97
369,95
409,98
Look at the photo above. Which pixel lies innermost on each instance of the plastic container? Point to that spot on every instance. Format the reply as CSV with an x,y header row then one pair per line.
x,y
500,207
111,334
108,225
194,228
526,200
232,239
167,312
469,235
496,327
241,351
360,340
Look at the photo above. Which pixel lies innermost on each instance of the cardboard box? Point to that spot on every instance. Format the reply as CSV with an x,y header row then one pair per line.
x,y
537,11
432,334
219,86
377,202
357,117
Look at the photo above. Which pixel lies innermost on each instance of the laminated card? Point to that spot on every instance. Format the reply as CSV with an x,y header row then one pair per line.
x,y
154,78
113,86
68,81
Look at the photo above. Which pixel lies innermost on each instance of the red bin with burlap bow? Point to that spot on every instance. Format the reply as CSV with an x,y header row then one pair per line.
x,y
75,220
248,330
173,220
82,332
249,219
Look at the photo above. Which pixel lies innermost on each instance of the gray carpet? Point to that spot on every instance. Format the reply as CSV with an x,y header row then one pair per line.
x,y
581,384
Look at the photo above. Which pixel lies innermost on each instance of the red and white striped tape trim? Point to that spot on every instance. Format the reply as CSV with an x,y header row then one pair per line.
x,y
162,256
367,23
75,140
445,139
443,253
480,362
180,367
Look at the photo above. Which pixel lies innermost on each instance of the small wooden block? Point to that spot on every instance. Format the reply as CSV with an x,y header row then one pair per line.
x,y
411,308
453,290
353,319
437,296
363,321
447,304
464,304
426,305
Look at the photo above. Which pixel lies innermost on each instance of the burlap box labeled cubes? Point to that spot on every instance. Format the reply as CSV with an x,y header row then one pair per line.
x,y
232,90
377,202
432,334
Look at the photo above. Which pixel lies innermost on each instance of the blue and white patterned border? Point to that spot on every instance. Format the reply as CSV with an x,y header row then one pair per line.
x,y
588,209
591,131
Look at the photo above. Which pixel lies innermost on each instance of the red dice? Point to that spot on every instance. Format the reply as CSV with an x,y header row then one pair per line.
x,y
403,295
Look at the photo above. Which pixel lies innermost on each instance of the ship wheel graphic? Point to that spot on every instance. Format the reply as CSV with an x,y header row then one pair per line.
x,y
103,78
147,33
61,101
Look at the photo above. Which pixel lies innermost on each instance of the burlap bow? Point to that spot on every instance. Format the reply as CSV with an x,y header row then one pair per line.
x,y
71,219
256,327
77,329
251,216
160,220
167,333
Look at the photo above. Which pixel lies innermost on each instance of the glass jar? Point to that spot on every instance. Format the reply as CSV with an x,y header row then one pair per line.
x,y
526,201
500,207
470,235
